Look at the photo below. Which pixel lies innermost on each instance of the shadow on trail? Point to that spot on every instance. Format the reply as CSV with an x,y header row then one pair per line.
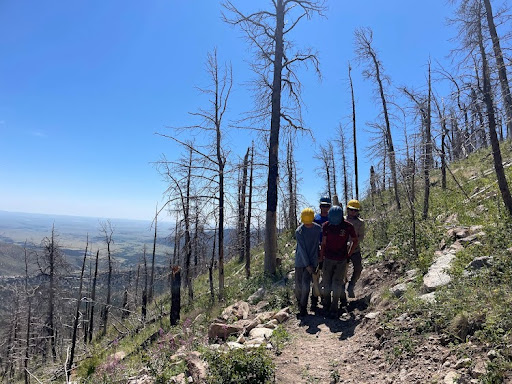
x,y
345,324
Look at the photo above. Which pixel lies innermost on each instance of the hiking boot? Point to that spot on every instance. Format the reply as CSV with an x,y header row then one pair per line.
x,y
314,303
333,314
350,291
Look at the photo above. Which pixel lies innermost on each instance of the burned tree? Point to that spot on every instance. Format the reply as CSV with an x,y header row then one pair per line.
x,y
424,106
325,170
366,53
108,231
278,86
354,136
51,264
211,157
71,357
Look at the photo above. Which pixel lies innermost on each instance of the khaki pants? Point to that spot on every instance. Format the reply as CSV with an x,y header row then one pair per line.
x,y
333,281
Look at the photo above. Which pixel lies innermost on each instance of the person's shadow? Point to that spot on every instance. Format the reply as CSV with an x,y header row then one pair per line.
x,y
345,324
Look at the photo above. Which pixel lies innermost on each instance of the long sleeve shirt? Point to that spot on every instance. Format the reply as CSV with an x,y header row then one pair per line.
x,y
306,253
359,226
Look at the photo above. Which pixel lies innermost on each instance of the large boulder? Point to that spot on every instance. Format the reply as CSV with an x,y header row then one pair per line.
x,y
223,331
264,333
282,315
196,367
437,275
239,310
257,296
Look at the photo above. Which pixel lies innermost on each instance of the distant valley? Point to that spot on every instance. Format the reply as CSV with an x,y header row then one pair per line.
x,y
129,237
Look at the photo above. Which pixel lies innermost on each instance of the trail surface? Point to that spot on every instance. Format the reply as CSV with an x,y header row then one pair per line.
x,y
351,349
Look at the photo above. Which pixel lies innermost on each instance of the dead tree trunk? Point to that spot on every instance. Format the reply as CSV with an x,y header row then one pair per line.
x,y
145,287
28,297
108,231
93,297
188,245
152,280
174,260
175,295
428,148
292,187
267,30
373,187
126,309
270,262
211,266
343,163
69,364
502,69
364,40
496,151
241,208
356,173
248,224
444,131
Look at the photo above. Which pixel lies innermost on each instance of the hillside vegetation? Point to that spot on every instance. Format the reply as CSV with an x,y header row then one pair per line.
x,y
472,315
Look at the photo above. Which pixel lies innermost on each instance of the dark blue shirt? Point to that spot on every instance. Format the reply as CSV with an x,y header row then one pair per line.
x,y
320,220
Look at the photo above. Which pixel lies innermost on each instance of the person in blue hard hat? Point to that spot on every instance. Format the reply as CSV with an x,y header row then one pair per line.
x,y
320,219
325,205
334,253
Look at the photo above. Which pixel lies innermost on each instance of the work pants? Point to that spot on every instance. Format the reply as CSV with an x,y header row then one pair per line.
x,y
302,285
333,281
357,263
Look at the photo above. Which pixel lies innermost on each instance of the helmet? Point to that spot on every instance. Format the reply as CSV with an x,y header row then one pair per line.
x,y
307,215
325,200
335,215
354,204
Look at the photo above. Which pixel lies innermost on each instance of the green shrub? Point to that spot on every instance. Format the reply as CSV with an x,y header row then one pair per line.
x,y
279,337
237,366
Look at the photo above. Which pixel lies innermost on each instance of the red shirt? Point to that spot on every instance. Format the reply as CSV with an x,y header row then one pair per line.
x,y
336,239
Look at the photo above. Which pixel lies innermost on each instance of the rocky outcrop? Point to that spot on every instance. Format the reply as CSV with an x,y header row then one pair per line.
x,y
437,275
252,328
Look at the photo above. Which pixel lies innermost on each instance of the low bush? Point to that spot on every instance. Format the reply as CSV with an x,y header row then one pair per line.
x,y
237,366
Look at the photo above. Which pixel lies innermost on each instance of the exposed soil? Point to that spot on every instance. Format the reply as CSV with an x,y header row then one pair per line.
x,y
353,349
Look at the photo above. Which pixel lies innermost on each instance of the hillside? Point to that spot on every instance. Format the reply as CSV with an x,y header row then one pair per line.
x,y
402,327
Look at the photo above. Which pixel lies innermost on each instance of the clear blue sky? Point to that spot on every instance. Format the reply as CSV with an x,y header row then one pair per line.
x,y
84,86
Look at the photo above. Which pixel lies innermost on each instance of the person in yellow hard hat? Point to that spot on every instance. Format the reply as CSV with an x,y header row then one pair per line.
x,y
353,210
306,257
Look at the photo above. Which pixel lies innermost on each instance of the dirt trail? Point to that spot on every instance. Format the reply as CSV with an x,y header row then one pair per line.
x,y
347,350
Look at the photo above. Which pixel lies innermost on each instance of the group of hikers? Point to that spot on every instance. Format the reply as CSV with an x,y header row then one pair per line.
x,y
325,243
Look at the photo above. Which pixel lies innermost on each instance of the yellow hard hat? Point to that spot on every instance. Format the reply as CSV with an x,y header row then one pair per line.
x,y
354,204
307,215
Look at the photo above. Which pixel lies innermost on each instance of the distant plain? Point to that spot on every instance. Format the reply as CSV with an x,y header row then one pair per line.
x,y
129,238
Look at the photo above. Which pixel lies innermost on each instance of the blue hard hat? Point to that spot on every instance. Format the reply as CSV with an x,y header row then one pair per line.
x,y
335,215
325,200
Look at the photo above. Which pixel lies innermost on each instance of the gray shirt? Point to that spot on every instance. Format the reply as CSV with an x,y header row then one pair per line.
x,y
306,253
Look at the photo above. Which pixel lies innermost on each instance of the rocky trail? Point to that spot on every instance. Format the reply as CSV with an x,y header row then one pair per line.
x,y
356,349
372,341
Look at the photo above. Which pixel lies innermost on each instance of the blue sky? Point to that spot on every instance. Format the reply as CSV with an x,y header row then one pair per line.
x,y
84,86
